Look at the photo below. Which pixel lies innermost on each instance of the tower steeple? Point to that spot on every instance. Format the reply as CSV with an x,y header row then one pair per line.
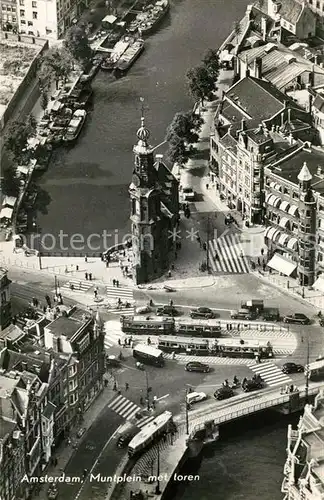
x,y
144,174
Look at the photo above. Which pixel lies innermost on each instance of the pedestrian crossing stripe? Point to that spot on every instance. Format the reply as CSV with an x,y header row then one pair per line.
x,y
120,292
123,311
212,360
226,255
271,374
83,286
145,421
124,407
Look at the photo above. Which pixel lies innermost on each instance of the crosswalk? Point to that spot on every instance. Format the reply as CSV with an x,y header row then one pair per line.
x,y
210,360
271,374
127,409
77,285
226,255
113,333
125,294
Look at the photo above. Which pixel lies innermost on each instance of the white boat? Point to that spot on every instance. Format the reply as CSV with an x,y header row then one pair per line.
x,y
116,53
130,56
75,125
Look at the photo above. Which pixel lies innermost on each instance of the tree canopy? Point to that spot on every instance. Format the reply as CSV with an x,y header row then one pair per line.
x,y
181,134
211,63
178,152
56,65
17,136
200,83
77,43
9,181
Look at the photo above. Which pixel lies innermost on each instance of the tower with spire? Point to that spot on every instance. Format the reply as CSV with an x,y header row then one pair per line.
x,y
306,229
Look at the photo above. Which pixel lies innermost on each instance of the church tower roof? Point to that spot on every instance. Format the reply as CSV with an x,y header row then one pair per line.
x,y
143,135
304,175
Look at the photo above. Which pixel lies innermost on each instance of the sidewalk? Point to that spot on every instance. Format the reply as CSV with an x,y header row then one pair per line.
x,y
65,451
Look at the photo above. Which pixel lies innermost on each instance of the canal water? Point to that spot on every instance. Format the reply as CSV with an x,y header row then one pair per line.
x,y
85,188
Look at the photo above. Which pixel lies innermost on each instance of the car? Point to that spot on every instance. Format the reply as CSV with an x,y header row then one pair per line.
x,y
195,397
167,311
202,312
224,392
125,439
245,314
256,382
81,432
292,368
297,318
196,366
188,194
143,310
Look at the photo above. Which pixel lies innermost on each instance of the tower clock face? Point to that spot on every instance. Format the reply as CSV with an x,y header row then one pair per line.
x,y
135,180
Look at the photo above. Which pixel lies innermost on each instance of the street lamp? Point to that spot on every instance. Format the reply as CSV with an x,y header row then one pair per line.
x,y
37,229
148,390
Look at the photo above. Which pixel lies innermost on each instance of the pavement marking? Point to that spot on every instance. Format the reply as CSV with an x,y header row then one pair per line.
x,y
271,374
163,397
145,421
124,407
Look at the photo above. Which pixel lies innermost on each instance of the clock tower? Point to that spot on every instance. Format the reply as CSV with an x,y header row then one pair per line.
x,y
145,198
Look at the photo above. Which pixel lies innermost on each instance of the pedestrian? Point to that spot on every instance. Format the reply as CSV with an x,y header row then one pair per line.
x,y
259,262
117,283
198,240
169,273
262,251
264,267
115,387
101,257
114,282
80,285
302,338
90,276
72,286
126,386
95,293
171,303
141,400
207,186
85,258
148,341
151,303
86,276
76,267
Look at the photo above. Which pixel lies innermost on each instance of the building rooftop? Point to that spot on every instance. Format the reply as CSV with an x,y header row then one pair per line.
x,y
12,333
6,428
64,326
291,165
7,386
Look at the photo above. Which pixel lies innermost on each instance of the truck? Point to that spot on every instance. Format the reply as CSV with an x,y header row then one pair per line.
x,y
256,307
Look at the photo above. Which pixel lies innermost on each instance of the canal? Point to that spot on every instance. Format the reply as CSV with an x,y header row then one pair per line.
x,y
86,186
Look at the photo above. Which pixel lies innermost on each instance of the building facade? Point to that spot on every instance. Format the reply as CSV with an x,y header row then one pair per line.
x,y
154,213
304,468
5,304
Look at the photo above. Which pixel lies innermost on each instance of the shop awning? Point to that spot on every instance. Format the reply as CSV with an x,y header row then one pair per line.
x,y
293,210
6,213
272,233
319,284
284,222
283,239
276,202
268,197
292,243
284,206
277,187
282,265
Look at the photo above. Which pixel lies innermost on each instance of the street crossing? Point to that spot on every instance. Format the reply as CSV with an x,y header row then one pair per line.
x,y
210,360
271,374
226,255
125,294
127,409
77,285
113,333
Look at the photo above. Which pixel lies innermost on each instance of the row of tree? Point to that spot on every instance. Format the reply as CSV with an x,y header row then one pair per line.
x,y
183,131
56,65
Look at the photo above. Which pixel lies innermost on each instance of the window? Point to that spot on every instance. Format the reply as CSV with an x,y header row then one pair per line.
x,y
21,2
34,15
34,5
22,13
14,19
30,23
317,5
23,22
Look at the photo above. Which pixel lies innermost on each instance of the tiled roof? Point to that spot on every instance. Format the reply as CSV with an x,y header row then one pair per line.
x,y
290,10
228,141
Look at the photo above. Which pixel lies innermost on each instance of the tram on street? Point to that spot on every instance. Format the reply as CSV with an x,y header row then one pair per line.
x,y
315,370
155,325
149,433
227,347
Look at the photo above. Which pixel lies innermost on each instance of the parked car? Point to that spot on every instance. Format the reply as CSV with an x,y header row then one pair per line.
x,y
202,312
167,311
81,432
297,318
196,366
123,440
188,194
271,314
224,392
195,397
256,382
245,314
143,310
292,368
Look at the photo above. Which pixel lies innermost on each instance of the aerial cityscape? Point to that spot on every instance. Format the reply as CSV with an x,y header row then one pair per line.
x,y
162,250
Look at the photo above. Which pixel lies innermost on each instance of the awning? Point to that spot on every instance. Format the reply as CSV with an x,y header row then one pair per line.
x,y
9,201
282,265
277,187
268,197
319,284
284,222
293,210
276,202
284,205
227,57
283,239
272,233
292,243
6,213
109,19
272,184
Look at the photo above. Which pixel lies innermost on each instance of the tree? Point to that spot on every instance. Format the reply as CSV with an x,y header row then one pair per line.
x,y
178,152
77,43
17,136
185,126
200,83
44,100
9,181
211,63
56,65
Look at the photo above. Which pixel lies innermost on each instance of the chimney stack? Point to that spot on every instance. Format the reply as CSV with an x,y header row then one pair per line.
x,y
247,72
319,170
282,116
258,68
310,102
243,125
264,28
289,113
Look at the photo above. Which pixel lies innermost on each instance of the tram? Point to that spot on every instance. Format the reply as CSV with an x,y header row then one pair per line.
x,y
149,433
155,325
231,348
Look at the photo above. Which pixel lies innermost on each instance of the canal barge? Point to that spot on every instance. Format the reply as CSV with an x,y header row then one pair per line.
x,y
75,125
154,17
129,57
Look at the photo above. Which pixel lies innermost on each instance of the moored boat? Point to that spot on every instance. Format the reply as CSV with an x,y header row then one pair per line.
x,y
129,56
118,50
75,125
155,14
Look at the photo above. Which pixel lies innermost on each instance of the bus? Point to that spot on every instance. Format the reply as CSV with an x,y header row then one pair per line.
x,y
139,325
227,347
148,355
149,433
315,370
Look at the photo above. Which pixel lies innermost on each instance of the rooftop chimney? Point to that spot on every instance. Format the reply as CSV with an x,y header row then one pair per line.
x,y
258,68
264,28
243,125
289,113
247,72
159,158
319,170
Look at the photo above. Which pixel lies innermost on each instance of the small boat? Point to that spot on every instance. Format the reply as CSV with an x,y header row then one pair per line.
x,y
118,50
130,56
75,125
155,15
